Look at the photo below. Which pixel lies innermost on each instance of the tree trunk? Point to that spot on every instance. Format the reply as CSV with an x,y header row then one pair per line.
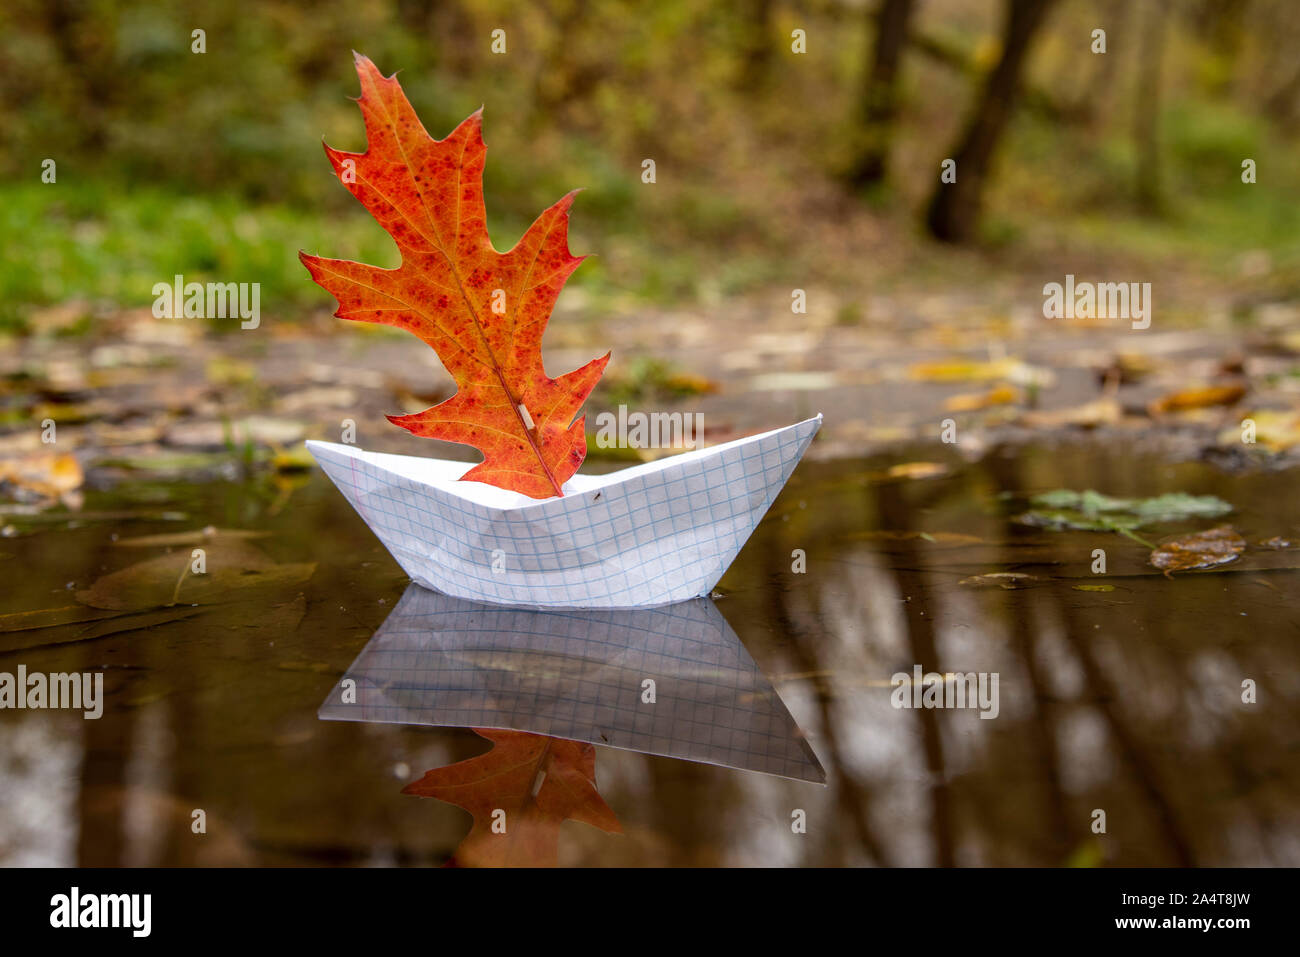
x,y
880,92
757,42
1146,126
955,207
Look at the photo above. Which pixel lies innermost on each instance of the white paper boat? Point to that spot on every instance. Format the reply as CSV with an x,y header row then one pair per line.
x,y
579,675
652,534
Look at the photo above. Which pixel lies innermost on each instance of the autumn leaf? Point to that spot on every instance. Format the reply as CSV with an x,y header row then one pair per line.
x,y
482,311
46,476
1199,398
1216,546
916,470
535,781
1001,394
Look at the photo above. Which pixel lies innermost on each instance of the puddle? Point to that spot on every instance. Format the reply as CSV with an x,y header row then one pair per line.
x,y
1117,693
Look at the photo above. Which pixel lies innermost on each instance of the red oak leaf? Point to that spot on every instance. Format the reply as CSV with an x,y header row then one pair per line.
x,y
519,793
482,311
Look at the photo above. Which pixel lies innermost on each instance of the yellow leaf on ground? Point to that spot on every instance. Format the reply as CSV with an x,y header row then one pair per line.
x,y
1001,394
1103,411
962,370
1277,430
1200,398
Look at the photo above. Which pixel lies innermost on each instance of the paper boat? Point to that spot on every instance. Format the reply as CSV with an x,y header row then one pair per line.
x,y
580,675
652,534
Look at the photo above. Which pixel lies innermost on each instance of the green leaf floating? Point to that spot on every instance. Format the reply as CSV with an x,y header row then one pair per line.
x,y
1092,511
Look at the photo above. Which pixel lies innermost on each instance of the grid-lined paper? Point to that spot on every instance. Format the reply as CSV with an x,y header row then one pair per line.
x,y
578,674
649,535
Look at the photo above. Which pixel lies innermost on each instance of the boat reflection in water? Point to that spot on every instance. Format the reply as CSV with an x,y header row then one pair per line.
x,y
672,681
545,687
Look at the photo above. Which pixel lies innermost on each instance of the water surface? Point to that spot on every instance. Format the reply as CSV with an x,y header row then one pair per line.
x,y
1125,700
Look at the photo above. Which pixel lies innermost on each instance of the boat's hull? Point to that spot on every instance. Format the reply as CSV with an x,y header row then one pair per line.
x,y
649,535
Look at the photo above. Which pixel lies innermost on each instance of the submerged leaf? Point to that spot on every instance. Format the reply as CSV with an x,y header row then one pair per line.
x,y
234,571
1000,580
934,538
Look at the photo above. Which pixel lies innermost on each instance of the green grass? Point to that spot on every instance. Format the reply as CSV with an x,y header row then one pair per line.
x,y
104,246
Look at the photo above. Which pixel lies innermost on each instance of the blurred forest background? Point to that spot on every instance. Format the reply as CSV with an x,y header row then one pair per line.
x,y
774,168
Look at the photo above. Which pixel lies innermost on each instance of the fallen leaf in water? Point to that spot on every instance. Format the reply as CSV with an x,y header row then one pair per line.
x,y
234,570
316,667
528,784
1092,511
51,617
1216,546
896,535
1093,587
1196,399
973,402
916,470
195,537
295,459
50,476
1000,580
95,626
